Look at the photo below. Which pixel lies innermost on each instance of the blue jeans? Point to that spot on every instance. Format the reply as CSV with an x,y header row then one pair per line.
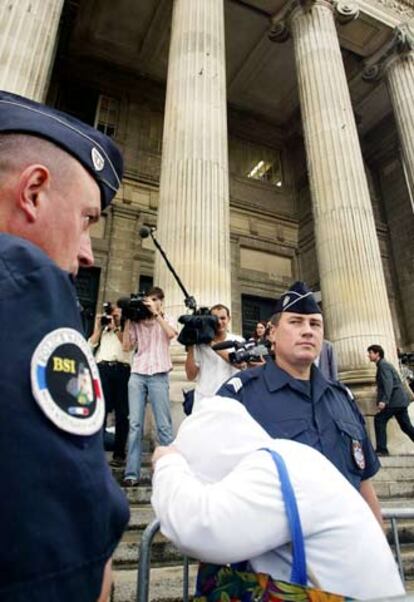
x,y
142,387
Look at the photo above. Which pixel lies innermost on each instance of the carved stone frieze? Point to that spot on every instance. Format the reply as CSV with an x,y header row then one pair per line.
x,y
344,10
405,36
401,43
402,8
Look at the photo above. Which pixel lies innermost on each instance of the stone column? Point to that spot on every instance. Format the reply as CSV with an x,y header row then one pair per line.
x,y
28,36
395,62
193,216
352,279
400,80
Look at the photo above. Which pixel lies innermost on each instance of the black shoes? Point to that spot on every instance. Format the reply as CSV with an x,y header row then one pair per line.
x,y
117,462
130,482
382,452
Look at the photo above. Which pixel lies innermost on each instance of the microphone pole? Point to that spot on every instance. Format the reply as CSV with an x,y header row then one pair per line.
x,y
189,301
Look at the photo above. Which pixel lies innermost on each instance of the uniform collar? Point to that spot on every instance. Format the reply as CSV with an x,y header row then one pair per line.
x,y
276,378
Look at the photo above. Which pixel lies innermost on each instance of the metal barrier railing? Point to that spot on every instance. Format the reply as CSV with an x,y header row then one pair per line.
x,y
393,514
144,562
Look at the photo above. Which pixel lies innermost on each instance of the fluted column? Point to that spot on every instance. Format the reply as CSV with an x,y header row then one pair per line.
x,y
193,216
400,78
28,36
395,63
351,274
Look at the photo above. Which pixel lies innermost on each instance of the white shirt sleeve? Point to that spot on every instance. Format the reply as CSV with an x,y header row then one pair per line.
x,y
239,517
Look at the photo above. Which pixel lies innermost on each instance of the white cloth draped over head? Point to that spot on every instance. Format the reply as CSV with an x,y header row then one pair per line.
x,y
219,500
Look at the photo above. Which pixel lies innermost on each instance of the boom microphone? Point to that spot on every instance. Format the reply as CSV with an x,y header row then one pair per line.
x,y
144,232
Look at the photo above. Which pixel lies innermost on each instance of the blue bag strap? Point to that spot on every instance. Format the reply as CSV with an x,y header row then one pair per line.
x,y
299,573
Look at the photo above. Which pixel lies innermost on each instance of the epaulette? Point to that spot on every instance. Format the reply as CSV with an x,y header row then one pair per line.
x,y
241,378
344,389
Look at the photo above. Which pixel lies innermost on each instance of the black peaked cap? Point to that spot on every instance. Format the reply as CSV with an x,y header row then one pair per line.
x,y
298,299
93,149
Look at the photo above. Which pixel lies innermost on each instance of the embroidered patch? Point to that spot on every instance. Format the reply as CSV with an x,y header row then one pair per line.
x,y
358,454
236,383
66,384
97,159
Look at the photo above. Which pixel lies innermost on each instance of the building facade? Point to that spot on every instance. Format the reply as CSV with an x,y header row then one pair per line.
x,y
267,140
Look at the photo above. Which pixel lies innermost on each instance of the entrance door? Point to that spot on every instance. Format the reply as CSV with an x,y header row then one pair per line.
x,y
255,309
87,286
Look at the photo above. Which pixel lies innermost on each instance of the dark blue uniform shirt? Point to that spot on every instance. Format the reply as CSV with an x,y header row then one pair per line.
x,y
328,419
61,512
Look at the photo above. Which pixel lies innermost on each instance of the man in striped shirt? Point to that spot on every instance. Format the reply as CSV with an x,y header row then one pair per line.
x,y
151,364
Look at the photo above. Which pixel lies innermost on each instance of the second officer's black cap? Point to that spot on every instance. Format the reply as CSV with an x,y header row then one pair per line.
x,y
93,149
298,299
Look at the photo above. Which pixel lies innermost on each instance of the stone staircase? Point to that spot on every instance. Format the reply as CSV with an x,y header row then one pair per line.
x,y
394,485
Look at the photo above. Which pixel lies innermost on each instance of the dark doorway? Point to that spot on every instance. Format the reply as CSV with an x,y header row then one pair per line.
x,y
255,309
87,286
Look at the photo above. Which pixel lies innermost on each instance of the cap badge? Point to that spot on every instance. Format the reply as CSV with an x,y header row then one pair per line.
x,y
97,159
66,384
285,300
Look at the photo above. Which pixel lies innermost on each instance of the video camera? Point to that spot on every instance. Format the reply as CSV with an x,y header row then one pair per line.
x,y
199,328
406,358
106,318
246,351
134,308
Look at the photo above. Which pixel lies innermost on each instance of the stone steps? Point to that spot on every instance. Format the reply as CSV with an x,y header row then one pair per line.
x,y
166,584
393,489
406,460
163,552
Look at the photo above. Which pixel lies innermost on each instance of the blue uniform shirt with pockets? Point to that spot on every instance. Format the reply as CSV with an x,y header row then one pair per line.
x,y
325,417
61,512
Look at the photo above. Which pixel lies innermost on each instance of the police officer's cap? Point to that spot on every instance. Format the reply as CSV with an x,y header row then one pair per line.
x,y
298,299
94,150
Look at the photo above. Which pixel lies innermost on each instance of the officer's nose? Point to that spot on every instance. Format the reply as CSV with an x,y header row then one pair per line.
x,y
307,329
85,255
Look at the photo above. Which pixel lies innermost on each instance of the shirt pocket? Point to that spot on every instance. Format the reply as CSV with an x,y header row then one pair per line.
x,y
295,429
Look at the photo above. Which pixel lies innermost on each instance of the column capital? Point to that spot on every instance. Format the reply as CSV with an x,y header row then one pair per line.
x,y
345,11
399,46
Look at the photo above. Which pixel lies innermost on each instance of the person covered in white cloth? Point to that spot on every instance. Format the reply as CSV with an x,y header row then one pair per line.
x,y
217,495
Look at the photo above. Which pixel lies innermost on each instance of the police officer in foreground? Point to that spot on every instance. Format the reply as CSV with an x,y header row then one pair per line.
x,y
61,512
291,399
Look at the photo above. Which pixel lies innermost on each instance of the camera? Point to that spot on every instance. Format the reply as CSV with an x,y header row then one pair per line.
x,y
106,318
199,327
134,308
406,358
247,351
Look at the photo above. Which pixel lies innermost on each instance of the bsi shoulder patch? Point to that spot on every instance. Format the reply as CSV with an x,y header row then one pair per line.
x,y
66,384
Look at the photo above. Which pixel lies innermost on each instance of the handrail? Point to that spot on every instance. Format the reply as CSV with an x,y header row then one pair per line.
x,y
144,562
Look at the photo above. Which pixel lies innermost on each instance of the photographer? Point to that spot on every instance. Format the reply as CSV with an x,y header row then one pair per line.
x,y
114,369
149,378
207,367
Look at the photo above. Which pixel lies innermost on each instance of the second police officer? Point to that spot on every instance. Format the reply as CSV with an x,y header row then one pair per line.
x,y
291,399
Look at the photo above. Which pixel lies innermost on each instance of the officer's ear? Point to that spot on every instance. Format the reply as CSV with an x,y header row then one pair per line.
x,y
33,187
